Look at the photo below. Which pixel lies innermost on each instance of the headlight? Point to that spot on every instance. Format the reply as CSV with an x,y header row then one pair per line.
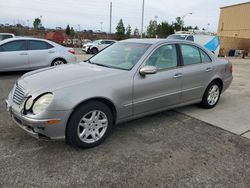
x,y
28,104
42,103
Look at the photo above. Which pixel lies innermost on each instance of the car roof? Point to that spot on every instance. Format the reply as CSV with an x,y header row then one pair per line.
x,y
7,34
155,41
105,40
26,38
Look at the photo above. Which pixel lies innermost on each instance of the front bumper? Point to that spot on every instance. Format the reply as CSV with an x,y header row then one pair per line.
x,y
85,49
40,128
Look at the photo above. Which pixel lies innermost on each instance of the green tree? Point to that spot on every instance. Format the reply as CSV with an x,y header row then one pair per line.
x,y
178,24
67,31
120,30
152,29
128,31
196,28
72,31
164,29
37,23
136,32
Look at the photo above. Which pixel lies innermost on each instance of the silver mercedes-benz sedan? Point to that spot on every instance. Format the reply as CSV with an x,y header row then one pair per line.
x,y
24,53
128,80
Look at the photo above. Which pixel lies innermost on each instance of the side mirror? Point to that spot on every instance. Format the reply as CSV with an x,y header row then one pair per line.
x,y
148,70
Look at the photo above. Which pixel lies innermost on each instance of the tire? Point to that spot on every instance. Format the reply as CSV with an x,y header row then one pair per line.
x,y
94,50
212,95
57,62
89,125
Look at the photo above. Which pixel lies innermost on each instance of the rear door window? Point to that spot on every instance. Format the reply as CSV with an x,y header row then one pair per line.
x,y
190,38
190,54
39,45
204,57
18,45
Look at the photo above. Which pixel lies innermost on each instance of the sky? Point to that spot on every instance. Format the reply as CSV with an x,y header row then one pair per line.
x,y
94,14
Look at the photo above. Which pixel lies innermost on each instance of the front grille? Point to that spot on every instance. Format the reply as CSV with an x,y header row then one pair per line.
x,y
19,95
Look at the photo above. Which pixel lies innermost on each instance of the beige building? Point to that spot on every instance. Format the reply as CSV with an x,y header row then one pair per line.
x,y
234,27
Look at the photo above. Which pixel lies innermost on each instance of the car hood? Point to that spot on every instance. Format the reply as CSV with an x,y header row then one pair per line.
x,y
54,78
88,44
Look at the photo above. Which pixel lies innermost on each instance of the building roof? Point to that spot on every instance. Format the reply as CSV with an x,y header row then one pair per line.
x,y
235,5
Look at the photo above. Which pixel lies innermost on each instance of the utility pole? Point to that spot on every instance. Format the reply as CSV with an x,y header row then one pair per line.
x,y
142,18
110,19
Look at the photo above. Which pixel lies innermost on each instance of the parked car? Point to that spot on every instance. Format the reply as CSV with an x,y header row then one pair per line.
x,y
96,46
4,36
85,41
127,80
205,39
86,47
77,43
30,53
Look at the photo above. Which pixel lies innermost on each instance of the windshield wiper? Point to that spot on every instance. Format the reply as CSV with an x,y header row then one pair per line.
x,y
102,65
87,60
90,62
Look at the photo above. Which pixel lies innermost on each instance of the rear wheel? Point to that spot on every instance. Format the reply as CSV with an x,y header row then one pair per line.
x,y
212,95
89,125
57,62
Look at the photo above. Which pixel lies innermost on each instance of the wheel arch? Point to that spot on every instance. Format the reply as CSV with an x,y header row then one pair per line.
x,y
94,47
219,80
104,100
58,58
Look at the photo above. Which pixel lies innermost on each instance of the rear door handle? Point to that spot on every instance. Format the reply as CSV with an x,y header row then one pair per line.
x,y
179,75
23,53
209,69
51,52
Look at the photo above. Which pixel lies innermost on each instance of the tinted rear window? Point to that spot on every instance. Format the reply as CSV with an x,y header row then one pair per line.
x,y
39,45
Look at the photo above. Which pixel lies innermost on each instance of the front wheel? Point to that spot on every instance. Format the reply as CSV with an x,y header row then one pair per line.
x,y
212,95
94,51
89,125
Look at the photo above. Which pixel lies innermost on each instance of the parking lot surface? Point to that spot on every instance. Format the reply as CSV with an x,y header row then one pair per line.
x,y
168,149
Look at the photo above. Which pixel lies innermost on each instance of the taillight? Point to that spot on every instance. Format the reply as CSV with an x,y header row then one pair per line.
x,y
72,51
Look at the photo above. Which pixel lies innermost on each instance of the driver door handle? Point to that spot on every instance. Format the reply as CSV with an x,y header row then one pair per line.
x,y
178,75
23,53
209,69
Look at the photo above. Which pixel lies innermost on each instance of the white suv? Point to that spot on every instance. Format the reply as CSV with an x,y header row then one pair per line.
x,y
96,46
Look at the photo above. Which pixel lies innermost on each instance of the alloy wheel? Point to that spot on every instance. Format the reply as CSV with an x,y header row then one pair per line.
x,y
213,94
92,126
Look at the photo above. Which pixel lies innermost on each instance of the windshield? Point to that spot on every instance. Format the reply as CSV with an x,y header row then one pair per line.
x,y
178,37
96,41
121,55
